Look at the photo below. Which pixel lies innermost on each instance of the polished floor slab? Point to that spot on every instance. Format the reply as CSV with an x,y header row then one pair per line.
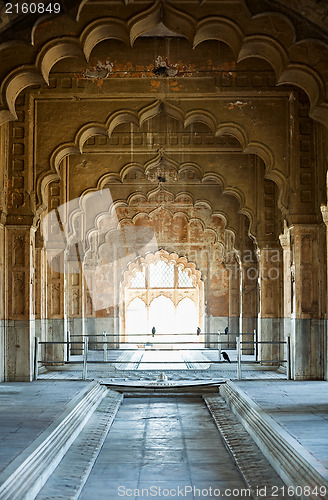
x,y
166,454
300,407
27,409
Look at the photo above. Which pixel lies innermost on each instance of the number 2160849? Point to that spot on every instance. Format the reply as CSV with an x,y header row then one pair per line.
x,y
32,8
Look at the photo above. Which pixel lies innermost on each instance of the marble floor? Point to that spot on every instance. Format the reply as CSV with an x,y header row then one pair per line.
x,y
161,445
300,407
164,439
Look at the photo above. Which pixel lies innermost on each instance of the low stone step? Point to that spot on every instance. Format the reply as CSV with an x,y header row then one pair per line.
x,y
25,476
68,479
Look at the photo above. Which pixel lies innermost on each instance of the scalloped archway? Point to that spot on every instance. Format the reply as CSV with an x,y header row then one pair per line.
x,y
269,36
166,277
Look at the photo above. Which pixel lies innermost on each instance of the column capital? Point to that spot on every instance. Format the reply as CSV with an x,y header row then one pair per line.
x,y
284,241
284,238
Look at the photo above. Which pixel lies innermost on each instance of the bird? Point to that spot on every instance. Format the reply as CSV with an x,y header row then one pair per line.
x,y
161,179
226,357
226,330
153,331
160,71
198,330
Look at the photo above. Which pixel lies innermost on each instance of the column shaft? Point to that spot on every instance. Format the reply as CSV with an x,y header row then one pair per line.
x,y
270,322
20,325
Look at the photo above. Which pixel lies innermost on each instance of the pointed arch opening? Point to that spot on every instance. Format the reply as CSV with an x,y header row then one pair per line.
x,y
163,303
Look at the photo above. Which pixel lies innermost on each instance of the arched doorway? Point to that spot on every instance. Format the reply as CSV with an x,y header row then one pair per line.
x,y
164,291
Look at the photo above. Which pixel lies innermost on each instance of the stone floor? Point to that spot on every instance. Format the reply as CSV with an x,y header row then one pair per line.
x,y
162,443
300,407
26,410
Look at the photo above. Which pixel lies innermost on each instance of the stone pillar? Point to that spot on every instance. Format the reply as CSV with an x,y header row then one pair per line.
x,y
2,304
248,304
89,314
75,304
307,323
20,325
55,324
116,298
288,292
324,211
40,288
269,317
234,296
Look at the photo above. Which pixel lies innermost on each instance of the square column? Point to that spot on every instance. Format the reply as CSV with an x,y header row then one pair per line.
x,y
304,283
248,304
324,211
234,296
75,304
2,304
20,297
55,324
269,318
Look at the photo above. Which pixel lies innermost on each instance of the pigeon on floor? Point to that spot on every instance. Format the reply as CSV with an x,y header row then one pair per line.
x,y
225,357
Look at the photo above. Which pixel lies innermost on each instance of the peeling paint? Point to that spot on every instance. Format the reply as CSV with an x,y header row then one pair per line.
x,y
155,84
237,104
100,71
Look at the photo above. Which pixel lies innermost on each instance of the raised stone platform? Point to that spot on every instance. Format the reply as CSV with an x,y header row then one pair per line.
x,y
26,474
271,420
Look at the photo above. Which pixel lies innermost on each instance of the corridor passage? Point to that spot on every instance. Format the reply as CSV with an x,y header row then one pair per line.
x,y
160,444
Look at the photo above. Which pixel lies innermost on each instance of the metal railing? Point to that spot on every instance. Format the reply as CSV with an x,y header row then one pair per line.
x,y
84,343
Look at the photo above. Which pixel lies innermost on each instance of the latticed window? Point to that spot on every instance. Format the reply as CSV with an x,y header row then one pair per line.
x,y
184,280
139,280
161,275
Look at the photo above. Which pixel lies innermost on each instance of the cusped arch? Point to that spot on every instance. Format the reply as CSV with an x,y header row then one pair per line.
x,y
150,111
258,36
161,254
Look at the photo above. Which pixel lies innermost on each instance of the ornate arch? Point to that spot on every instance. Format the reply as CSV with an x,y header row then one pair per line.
x,y
185,118
175,294
270,36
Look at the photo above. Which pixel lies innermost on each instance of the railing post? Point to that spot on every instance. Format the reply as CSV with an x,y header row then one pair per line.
x,y
36,358
68,344
85,358
256,345
219,345
288,368
239,357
